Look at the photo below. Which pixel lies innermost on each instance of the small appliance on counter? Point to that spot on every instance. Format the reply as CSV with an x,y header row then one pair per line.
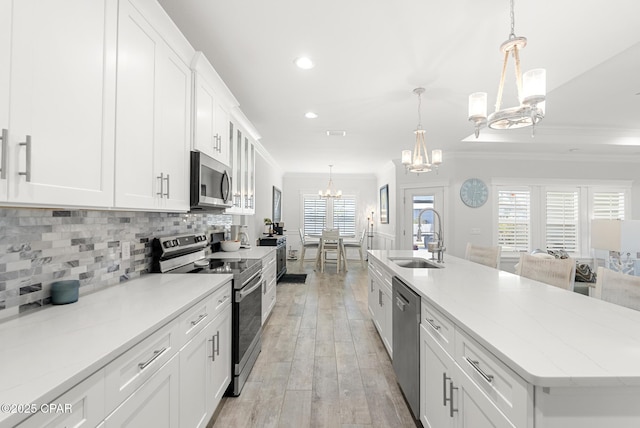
x,y
238,232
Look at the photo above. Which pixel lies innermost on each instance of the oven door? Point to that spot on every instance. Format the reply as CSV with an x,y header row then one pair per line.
x,y
247,320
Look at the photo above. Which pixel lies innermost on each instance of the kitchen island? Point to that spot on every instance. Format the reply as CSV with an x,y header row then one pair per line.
x,y
562,359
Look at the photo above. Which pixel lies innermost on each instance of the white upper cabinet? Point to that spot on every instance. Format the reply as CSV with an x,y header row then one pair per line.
x,y
242,135
212,101
57,86
153,111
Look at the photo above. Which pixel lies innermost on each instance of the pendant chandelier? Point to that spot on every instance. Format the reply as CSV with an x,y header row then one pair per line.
x,y
531,92
419,161
330,193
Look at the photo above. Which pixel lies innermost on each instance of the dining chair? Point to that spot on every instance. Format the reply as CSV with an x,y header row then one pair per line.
x,y
359,244
330,244
618,288
488,256
306,243
552,271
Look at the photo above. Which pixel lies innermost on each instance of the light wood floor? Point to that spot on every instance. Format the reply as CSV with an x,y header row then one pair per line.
x,y
322,362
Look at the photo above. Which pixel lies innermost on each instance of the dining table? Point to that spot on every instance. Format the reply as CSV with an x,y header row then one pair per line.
x,y
342,254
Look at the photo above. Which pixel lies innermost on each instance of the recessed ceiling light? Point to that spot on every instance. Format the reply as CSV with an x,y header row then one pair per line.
x,y
304,63
336,133
310,115
573,150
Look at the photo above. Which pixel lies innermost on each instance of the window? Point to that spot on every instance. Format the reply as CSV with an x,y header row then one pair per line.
x,y
514,220
562,221
555,214
608,205
344,215
315,214
322,213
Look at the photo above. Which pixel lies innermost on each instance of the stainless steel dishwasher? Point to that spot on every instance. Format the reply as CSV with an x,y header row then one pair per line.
x,y
406,343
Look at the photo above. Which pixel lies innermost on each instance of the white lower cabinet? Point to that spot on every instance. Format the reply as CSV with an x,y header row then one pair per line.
x,y
154,404
448,397
380,304
205,371
269,281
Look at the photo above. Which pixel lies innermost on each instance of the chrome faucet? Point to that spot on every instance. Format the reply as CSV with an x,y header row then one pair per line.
x,y
438,246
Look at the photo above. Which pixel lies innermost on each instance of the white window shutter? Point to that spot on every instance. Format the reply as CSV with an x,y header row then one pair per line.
x,y
562,221
315,214
608,205
514,217
344,215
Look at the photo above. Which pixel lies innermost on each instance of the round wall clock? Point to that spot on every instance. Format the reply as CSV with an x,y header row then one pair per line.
x,y
474,193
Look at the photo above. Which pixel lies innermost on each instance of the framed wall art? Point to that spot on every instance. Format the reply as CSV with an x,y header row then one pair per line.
x,y
384,204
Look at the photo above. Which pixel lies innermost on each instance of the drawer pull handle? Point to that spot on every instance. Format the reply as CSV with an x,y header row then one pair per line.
x,y
432,323
199,320
155,355
476,365
224,298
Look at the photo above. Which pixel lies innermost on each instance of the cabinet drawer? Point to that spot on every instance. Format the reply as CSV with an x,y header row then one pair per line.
x,y
81,406
269,260
194,319
269,273
439,326
130,370
508,391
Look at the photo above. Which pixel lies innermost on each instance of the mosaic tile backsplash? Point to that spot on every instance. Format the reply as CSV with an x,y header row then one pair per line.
x,y
40,246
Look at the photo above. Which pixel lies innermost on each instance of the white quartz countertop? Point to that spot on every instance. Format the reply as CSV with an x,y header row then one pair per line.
x,y
45,353
549,336
254,252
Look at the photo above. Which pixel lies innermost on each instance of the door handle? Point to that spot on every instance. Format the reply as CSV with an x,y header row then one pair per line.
x,y
167,194
5,141
451,409
161,178
27,172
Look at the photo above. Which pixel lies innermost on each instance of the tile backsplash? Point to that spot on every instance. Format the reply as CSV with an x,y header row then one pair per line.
x,y
40,246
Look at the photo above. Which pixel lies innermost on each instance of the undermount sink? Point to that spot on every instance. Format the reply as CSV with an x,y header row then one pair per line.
x,y
415,263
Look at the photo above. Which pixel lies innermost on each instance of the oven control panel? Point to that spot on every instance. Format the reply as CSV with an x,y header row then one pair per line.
x,y
171,244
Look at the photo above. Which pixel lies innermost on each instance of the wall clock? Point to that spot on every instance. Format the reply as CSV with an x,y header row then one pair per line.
x,y
474,192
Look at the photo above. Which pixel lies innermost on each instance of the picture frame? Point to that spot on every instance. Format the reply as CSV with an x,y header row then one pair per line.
x,y
276,216
384,204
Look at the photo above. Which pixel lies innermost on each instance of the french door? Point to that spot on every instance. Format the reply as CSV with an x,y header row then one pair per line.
x,y
416,200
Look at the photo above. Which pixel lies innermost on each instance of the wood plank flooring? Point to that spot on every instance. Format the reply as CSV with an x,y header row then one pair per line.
x,y
322,362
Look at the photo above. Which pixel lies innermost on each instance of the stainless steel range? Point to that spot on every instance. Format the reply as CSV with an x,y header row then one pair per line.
x,y
186,254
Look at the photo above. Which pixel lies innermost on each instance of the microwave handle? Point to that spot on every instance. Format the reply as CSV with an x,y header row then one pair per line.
x,y
225,186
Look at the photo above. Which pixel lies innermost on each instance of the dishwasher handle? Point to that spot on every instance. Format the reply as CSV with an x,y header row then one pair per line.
x,y
401,302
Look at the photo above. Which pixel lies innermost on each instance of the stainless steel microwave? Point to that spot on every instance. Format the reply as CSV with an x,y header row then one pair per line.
x,y
210,183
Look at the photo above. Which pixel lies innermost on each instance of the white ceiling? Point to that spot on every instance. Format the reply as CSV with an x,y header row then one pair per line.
x,y
370,55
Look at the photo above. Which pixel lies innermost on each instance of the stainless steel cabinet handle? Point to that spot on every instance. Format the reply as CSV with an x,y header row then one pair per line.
x,y
476,365
199,320
432,323
451,409
444,389
213,348
161,178
155,355
380,297
5,141
217,349
223,299
167,194
27,144
372,285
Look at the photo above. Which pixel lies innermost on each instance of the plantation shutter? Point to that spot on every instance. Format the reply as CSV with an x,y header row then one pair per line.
x,y
608,205
514,208
562,221
315,214
344,215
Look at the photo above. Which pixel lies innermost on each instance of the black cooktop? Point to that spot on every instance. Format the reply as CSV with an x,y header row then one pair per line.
x,y
213,265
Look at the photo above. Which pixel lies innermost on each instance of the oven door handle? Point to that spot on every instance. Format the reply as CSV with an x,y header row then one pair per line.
x,y
252,278
242,293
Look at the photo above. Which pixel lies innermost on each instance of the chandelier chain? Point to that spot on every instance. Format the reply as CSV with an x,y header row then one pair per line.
x,y
419,111
512,35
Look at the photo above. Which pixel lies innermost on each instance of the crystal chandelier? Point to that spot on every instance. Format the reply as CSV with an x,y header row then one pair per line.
x,y
330,193
531,92
419,160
